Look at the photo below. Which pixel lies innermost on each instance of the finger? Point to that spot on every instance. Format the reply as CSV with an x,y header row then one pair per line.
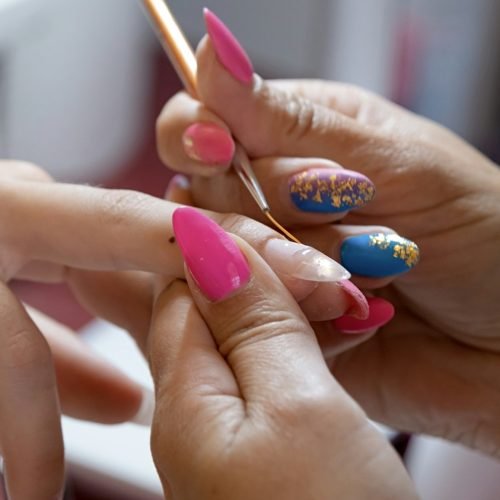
x,y
89,388
300,191
179,190
22,170
30,427
181,352
122,298
122,230
254,320
375,255
276,123
191,139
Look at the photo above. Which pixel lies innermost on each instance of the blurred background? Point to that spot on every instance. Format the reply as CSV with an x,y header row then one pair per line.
x,y
82,81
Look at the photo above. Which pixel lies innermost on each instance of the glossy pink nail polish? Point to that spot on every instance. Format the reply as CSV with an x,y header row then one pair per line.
x,y
229,51
359,305
381,312
208,143
215,261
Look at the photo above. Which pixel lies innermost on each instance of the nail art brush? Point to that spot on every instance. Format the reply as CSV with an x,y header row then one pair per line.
x,y
183,59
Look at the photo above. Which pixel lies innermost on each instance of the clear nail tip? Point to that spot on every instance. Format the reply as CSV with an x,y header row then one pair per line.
x,y
304,262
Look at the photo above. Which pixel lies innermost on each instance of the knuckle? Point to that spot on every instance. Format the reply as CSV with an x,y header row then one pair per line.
x,y
301,117
256,322
118,206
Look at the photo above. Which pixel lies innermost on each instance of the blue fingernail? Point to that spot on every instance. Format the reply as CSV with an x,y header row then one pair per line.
x,y
326,190
378,255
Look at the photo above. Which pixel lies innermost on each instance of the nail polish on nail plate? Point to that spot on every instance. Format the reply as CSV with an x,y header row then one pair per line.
x,y
378,255
208,143
303,262
229,51
326,190
381,312
214,260
358,303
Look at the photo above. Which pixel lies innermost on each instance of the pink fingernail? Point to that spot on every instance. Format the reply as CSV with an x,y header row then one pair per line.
x,y
381,312
229,51
208,143
215,261
359,306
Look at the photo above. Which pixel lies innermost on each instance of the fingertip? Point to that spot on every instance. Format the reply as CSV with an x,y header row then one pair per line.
x,y
381,312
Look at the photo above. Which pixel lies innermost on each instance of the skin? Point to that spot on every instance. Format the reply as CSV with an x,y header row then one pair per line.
x,y
235,415
119,242
436,367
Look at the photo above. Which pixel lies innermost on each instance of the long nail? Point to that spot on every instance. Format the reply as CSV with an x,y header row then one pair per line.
x,y
144,416
229,51
359,308
327,190
378,255
381,312
208,143
215,261
302,261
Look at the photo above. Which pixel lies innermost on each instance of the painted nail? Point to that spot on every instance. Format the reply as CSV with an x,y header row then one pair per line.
x,y
327,190
215,261
208,143
144,416
359,308
302,261
229,51
378,255
381,312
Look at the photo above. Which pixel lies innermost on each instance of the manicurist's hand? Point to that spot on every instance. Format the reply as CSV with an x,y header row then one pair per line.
x,y
436,367
246,406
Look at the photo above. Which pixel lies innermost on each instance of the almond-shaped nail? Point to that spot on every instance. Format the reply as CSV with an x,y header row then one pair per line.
x,y
379,255
381,312
302,261
214,260
208,143
229,51
325,190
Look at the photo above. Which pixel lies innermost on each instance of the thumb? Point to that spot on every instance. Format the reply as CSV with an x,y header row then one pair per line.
x,y
276,122
255,322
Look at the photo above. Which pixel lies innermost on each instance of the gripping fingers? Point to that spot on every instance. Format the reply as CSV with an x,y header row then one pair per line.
x,y
30,428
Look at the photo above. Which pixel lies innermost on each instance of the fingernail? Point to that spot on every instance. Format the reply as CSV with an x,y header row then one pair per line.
x,y
302,261
229,51
359,308
326,190
208,143
146,411
215,261
378,255
380,313
178,181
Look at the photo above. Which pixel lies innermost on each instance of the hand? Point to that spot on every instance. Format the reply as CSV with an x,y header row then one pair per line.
x,y
106,244
246,407
436,367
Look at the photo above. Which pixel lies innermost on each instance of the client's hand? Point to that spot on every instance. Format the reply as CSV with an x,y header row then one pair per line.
x,y
436,368
246,406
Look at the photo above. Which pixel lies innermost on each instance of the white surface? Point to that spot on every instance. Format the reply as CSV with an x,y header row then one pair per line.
x,y
445,471
76,85
116,454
